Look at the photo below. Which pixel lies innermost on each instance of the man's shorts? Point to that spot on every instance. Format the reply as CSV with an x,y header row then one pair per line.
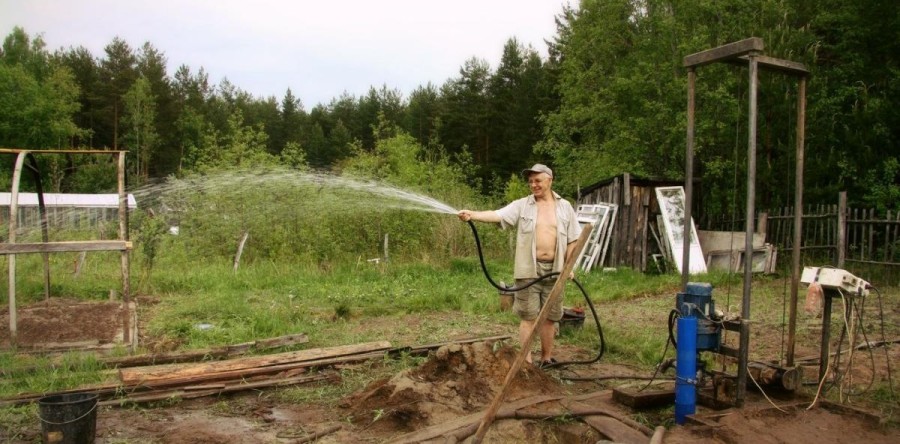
x,y
529,301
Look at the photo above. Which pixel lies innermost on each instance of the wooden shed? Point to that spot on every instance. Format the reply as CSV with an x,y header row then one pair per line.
x,y
632,241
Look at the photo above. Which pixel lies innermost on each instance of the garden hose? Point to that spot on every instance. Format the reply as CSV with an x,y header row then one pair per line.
x,y
536,280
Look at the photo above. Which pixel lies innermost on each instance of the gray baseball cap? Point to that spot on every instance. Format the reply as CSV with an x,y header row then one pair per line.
x,y
538,168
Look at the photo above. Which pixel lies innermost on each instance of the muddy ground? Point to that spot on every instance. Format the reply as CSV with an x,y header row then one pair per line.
x,y
451,383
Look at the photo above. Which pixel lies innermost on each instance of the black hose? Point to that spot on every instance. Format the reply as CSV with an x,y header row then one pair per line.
x,y
541,278
488,275
673,316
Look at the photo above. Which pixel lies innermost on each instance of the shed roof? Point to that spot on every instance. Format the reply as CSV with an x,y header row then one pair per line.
x,y
69,200
635,181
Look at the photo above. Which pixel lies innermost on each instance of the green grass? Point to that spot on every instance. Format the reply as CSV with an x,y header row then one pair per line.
x,y
405,302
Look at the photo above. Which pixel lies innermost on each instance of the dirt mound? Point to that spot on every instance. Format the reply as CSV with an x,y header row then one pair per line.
x,y
456,380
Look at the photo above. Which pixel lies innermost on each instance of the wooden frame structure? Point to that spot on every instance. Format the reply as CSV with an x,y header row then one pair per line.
x,y
748,52
25,160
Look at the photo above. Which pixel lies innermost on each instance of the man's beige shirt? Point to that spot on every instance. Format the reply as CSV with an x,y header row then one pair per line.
x,y
522,214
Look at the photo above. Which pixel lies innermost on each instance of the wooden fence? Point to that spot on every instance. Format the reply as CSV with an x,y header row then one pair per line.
x,y
842,234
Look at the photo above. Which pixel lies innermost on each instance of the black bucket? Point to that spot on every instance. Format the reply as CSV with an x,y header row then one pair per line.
x,y
68,419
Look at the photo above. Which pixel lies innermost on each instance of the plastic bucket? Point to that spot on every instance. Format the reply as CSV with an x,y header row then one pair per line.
x,y
68,419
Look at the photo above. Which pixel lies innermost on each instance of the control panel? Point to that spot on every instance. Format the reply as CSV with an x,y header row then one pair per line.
x,y
835,279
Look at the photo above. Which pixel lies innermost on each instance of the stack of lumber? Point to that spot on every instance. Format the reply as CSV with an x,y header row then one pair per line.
x,y
168,375
179,379
160,382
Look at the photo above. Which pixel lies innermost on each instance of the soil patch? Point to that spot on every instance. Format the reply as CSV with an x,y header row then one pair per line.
x,y
768,425
62,320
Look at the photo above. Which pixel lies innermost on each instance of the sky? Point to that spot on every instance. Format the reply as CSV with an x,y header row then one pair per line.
x,y
317,48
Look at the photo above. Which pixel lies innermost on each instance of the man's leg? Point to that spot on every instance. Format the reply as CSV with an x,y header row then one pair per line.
x,y
524,329
548,332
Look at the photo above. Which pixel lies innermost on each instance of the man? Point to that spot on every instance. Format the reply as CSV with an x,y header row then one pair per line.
x,y
547,230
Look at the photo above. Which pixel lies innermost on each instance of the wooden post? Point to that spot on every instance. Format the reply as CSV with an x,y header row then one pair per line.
x,y
124,255
688,183
13,220
743,357
762,224
555,294
80,263
841,229
42,214
798,221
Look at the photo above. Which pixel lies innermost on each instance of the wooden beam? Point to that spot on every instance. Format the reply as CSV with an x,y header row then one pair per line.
x,y
419,350
458,426
67,246
17,151
724,52
555,294
780,65
616,427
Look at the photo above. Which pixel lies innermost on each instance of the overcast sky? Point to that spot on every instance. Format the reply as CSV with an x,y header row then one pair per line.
x,y
318,48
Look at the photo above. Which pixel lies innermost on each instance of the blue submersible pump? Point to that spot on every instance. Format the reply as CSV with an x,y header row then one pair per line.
x,y
697,331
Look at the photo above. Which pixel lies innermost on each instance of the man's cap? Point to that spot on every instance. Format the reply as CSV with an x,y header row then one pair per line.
x,y
538,168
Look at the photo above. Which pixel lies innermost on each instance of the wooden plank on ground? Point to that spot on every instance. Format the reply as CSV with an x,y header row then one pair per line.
x,y
580,408
615,430
197,355
291,367
645,399
172,372
215,389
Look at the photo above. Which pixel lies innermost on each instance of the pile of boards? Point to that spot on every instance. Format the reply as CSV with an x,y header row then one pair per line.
x,y
158,377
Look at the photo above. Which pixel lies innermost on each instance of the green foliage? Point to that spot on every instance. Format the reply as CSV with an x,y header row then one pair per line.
x,y
883,186
150,232
623,92
516,188
36,113
237,146
140,120
92,174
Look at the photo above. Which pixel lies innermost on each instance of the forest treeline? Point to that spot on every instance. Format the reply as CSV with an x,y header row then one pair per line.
x,y
609,97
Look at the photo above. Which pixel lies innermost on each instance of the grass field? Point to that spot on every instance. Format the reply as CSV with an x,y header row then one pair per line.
x,y
407,303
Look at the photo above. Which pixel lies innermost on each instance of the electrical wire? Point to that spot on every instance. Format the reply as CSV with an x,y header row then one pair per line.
x,y
763,391
850,330
887,356
662,360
